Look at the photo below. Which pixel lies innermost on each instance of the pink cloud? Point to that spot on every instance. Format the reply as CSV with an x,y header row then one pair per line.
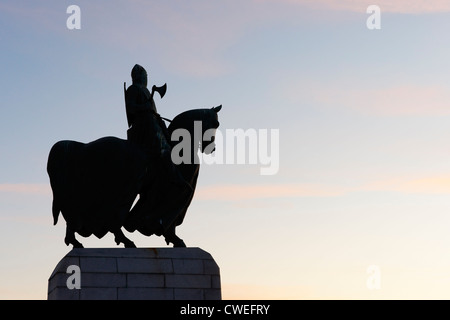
x,y
422,185
246,192
264,292
407,185
394,6
36,189
195,41
398,100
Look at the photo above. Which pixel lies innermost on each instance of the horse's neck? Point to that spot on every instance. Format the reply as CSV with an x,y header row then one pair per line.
x,y
195,144
194,139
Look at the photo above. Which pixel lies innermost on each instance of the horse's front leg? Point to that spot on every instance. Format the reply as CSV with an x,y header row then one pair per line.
x,y
171,237
70,238
119,237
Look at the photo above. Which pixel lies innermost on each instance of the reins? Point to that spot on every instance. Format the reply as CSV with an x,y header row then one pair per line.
x,y
168,120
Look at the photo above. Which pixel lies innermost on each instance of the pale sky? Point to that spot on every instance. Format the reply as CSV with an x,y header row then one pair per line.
x,y
363,120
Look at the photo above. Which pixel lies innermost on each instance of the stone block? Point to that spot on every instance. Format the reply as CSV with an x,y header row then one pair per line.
x,y
142,265
98,294
62,293
103,280
210,267
187,266
189,294
188,281
145,280
212,294
98,264
215,281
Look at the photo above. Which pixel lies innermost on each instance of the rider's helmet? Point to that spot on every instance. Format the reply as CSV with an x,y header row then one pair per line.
x,y
139,75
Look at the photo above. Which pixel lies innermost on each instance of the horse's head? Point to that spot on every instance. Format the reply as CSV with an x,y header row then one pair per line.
x,y
209,127
201,124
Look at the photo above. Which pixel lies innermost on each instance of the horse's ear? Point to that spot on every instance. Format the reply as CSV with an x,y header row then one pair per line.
x,y
217,109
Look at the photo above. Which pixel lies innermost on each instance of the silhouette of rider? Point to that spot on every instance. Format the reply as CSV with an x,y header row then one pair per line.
x,y
148,130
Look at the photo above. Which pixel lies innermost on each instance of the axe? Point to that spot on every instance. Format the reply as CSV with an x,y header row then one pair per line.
x,y
161,90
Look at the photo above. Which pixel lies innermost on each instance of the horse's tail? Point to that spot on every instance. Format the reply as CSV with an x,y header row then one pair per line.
x,y
56,210
56,170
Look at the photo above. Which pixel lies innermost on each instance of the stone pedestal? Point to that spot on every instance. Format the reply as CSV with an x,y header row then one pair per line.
x,y
136,274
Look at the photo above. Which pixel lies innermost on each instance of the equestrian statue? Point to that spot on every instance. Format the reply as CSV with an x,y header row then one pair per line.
x,y
95,184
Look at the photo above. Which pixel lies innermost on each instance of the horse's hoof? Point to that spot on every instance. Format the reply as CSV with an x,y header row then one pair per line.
x,y
179,244
130,245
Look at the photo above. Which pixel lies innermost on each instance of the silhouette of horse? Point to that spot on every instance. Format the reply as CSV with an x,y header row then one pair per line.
x,y
95,184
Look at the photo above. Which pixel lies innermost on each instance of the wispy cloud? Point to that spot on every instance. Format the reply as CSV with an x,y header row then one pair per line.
x,y
397,100
405,185
26,188
255,292
187,38
246,192
38,220
421,185
237,192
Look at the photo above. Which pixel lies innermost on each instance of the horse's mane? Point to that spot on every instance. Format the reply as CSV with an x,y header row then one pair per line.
x,y
187,118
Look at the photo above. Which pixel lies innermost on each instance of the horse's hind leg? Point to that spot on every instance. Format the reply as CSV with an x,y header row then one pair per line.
x,y
171,237
120,237
70,238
